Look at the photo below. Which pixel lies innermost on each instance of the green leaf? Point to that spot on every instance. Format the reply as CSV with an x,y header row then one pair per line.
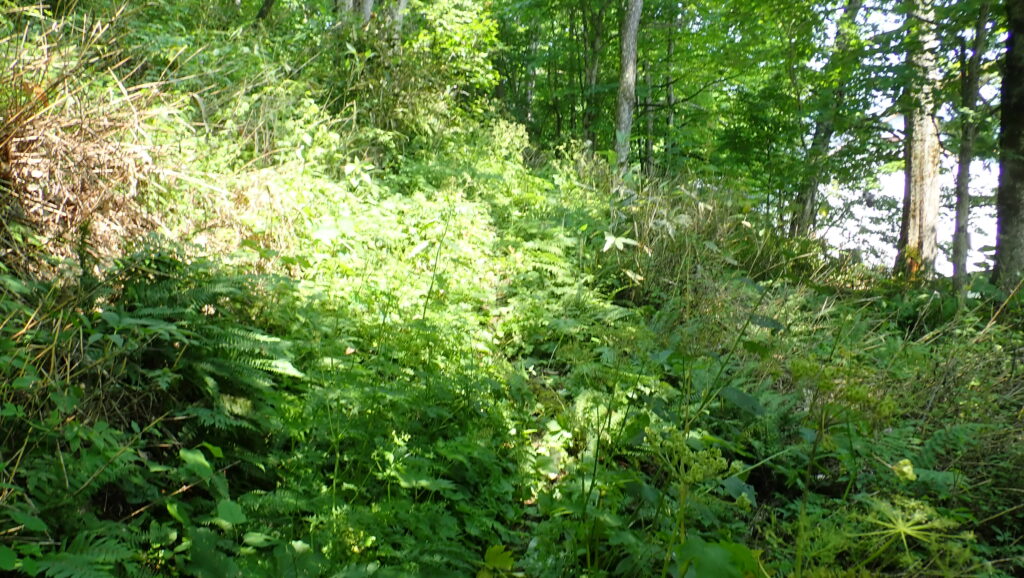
x,y
742,400
752,284
718,559
11,410
498,558
230,512
767,322
160,535
258,539
427,482
937,480
206,559
7,558
418,249
644,491
284,367
14,285
31,523
66,401
619,243
216,451
808,434
111,318
195,460
736,487
757,348
176,512
635,432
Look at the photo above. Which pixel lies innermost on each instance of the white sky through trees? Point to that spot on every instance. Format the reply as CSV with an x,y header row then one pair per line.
x,y
873,230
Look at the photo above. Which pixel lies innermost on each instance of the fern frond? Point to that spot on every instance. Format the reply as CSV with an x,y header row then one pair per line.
x,y
67,565
217,419
89,555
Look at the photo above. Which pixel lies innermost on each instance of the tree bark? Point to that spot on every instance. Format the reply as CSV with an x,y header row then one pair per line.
x,y
1009,264
807,199
265,9
556,102
824,127
670,98
594,33
575,104
365,10
918,247
626,101
531,77
969,95
649,120
398,15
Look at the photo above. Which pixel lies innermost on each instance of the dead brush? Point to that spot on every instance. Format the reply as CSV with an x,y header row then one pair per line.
x,y
72,168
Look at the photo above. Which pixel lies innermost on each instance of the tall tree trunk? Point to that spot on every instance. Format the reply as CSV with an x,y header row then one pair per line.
x,y
627,84
556,103
649,119
918,247
531,76
670,99
366,10
807,199
824,125
970,81
398,16
1009,264
594,33
265,9
577,101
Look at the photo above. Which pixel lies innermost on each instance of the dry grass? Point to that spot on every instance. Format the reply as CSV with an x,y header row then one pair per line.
x,y
71,164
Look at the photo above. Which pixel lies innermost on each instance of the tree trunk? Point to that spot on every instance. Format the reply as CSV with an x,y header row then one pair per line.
x,y
594,33
627,85
918,247
807,199
1009,264
343,7
531,76
556,102
670,100
265,9
824,126
970,81
366,10
576,102
649,118
398,16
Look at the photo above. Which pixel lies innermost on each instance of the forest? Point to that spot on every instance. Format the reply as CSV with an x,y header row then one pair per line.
x,y
511,288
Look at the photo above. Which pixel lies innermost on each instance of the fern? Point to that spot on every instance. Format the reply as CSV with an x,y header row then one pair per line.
x,y
187,320
217,419
948,444
89,555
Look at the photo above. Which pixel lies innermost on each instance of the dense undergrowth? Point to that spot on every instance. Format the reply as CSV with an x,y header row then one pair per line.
x,y
373,333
